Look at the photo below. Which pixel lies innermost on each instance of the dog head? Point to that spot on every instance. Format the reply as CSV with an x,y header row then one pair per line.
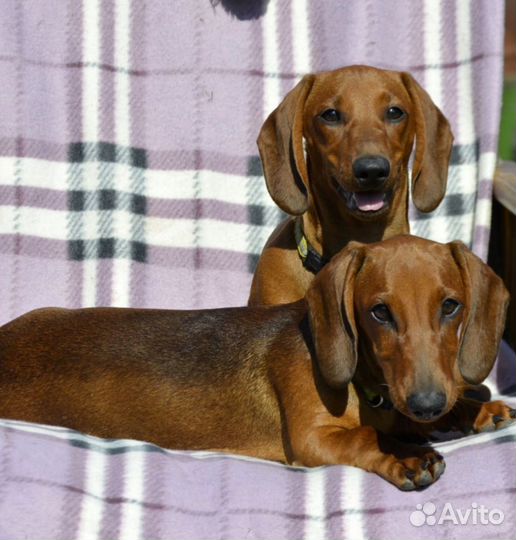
x,y
421,319
347,135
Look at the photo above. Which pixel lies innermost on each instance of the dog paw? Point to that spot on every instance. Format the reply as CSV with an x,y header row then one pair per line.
x,y
493,416
416,472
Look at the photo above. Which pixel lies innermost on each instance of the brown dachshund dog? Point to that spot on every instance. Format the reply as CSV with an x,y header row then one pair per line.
x,y
335,154
381,348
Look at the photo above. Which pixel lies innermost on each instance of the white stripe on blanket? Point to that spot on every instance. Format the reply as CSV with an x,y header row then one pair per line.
x,y
120,295
271,85
91,99
92,507
133,491
103,445
163,232
315,527
351,498
301,38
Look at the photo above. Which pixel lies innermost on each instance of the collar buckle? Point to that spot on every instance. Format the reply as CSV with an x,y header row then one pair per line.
x,y
376,401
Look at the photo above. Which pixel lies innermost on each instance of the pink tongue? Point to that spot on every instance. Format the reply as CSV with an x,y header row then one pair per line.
x,y
370,201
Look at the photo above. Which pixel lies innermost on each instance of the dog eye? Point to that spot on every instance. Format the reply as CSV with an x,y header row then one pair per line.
x,y
450,307
332,116
381,314
394,114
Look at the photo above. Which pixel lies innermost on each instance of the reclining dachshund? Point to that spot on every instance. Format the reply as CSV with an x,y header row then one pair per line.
x,y
380,349
335,154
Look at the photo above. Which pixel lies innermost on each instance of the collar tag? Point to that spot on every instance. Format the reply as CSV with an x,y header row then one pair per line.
x,y
302,247
312,260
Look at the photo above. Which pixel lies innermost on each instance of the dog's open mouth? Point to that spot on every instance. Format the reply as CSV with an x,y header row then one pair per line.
x,y
366,203
369,201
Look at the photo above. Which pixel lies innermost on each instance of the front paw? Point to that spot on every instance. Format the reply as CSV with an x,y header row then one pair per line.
x,y
411,473
493,416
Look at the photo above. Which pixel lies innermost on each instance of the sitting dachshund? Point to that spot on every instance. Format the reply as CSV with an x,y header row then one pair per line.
x,y
380,350
335,154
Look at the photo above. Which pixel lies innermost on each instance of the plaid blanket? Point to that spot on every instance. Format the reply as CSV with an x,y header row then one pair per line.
x,y
129,176
57,483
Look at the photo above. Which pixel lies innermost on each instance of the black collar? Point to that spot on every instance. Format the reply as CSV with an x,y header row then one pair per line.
x,y
312,261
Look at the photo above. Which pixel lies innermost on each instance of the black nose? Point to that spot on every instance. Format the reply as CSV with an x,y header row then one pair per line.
x,y
427,405
371,171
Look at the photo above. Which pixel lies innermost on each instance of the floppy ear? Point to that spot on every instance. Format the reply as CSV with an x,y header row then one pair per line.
x,y
433,148
486,307
281,148
331,315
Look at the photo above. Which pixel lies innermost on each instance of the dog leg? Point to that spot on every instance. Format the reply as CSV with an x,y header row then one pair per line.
x,y
406,466
470,415
494,415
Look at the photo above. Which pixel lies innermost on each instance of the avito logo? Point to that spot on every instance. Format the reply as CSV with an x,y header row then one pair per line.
x,y
476,514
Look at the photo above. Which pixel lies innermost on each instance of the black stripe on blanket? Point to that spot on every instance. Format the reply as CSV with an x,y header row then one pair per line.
x,y
454,204
505,439
465,153
106,199
107,248
80,152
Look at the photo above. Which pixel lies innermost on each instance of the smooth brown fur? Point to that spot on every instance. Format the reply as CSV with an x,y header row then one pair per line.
x,y
313,186
285,383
